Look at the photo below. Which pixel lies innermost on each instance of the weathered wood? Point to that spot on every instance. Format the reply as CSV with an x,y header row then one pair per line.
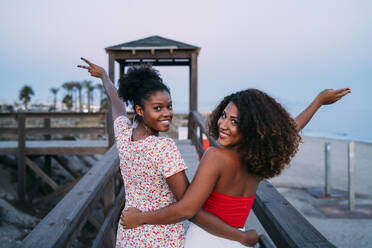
x,y
285,225
65,166
177,54
200,122
94,222
193,99
41,173
108,202
5,130
111,220
265,242
54,114
63,220
21,157
66,130
48,159
58,192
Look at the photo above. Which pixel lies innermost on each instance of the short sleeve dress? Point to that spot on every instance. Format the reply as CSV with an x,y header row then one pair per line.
x,y
145,165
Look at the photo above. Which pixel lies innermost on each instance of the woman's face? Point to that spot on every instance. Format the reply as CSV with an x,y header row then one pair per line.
x,y
157,112
228,126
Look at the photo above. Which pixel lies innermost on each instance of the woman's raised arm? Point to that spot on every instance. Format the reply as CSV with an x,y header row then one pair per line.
x,y
325,97
117,105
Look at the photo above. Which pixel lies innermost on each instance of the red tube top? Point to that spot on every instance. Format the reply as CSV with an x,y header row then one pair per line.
x,y
233,210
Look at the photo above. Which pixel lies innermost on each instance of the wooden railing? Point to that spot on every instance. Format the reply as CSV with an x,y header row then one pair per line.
x,y
47,147
283,223
63,224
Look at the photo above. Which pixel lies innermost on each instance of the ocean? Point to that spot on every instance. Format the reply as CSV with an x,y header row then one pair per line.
x,y
331,121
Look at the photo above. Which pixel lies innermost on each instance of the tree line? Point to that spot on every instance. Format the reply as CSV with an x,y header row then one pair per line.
x,y
72,98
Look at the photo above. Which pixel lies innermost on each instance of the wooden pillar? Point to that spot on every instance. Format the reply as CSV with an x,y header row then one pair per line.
x,y
21,157
193,101
193,92
122,69
108,203
110,123
48,158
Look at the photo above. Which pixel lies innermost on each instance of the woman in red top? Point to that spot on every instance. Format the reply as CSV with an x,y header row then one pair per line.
x,y
257,139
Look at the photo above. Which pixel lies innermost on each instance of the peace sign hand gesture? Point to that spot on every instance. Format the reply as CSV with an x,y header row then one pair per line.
x,y
94,70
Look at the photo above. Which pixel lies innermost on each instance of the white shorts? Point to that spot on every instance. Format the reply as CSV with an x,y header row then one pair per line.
x,y
197,237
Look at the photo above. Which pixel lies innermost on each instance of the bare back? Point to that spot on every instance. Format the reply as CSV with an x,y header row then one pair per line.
x,y
234,179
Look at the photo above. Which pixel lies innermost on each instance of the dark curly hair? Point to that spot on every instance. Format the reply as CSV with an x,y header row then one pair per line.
x,y
139,83
269,138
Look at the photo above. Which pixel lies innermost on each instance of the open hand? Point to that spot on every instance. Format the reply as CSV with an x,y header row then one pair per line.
x,y
130,218
94,70
251,238
330,96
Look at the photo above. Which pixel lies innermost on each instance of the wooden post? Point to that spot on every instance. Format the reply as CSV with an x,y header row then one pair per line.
x,y
193,104
21,157
48,158
110,123
108,202
122,69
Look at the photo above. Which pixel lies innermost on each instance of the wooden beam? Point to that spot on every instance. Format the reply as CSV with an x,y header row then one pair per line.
x,y
108,202
21,187
41,173
66,130
66,167
158,55
58,192
63,221
193,99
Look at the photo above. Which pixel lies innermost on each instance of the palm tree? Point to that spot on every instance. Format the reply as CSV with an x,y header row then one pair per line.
x,y
101,92
104,104
25,95
88,85
54,92
79,86
67,100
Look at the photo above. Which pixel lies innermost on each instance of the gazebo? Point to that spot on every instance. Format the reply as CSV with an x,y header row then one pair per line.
x,y
157,51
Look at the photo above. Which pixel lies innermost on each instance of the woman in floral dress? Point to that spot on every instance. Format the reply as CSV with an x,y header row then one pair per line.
x,y
151,166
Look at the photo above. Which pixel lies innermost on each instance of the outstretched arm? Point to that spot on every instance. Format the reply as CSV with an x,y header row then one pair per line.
x,y
117,105
325,97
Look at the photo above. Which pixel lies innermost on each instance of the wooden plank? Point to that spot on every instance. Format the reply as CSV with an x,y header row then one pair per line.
x,y
58,192
5,130
108,202
66,150
66,130
63,220
65,166
285,225
54,114
21,187
94,222
177,54
41,173
111,220
193,92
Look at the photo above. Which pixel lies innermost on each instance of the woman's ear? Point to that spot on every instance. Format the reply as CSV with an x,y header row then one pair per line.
x,y
139,110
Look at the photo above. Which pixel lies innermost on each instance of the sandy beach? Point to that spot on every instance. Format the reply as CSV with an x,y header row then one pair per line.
x,y
307,170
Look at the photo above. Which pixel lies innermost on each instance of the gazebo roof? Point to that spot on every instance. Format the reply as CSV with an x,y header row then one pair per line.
x,y
152,43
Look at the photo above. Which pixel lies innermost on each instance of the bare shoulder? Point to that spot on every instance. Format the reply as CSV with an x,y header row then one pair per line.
x,y
218,155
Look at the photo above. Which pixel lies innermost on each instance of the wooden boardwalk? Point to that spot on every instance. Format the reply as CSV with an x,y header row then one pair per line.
x,y
56,147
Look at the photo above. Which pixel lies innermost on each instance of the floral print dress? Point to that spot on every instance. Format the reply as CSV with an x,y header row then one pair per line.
x,y
145,165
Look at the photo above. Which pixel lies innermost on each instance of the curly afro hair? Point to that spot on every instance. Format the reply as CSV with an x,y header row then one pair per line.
x,y
269,136
139,83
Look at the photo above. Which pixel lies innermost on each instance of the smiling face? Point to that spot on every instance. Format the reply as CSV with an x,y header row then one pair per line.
x,y
157,111
228,126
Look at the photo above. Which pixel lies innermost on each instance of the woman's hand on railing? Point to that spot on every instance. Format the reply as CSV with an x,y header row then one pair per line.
x,y
93,69
250,238
129,218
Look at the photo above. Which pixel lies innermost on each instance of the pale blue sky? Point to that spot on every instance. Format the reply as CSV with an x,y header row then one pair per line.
x,y
290,49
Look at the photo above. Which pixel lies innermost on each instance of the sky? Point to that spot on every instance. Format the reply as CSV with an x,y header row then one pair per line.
x,y
289,49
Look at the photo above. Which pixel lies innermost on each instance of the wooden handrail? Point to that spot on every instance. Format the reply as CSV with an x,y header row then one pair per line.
x,y
64,221
284,224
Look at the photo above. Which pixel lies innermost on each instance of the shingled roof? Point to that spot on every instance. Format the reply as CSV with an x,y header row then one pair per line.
x,y
152,42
